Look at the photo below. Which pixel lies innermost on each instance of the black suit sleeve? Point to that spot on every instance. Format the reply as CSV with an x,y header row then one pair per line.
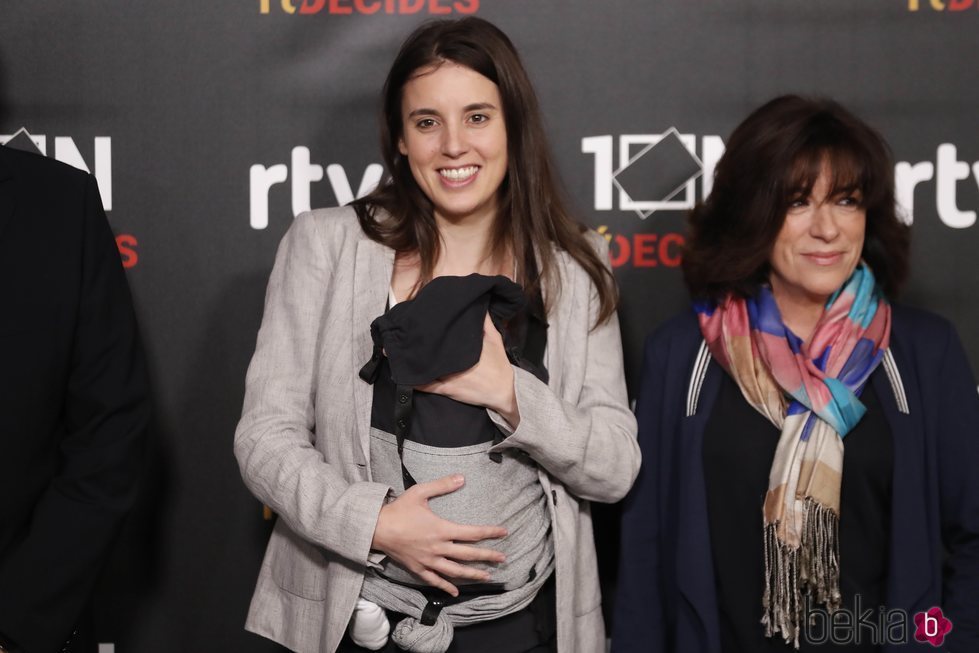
x,y
47,577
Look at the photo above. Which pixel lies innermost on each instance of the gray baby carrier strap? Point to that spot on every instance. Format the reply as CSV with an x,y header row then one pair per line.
x,y
437,333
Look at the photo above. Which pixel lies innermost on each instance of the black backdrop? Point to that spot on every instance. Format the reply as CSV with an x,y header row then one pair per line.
x,y
188,111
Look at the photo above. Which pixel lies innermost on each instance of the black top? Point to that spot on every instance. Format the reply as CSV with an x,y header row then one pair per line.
x,y
739,445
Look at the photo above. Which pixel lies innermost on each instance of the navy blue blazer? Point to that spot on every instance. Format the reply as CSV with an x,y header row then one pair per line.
x,y
667,599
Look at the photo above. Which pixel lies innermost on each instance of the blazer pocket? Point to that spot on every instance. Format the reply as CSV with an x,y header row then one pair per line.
x,y
298,567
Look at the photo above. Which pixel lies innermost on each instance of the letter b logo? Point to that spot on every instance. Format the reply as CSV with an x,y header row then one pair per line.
x,y
931,626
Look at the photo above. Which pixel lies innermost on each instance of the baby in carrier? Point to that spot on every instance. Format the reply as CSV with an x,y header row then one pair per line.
x,y
418,437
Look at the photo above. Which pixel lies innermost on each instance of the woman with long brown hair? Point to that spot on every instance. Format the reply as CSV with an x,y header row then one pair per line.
x,y
437,390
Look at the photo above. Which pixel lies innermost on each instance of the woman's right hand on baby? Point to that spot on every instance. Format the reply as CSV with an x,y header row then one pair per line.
x,y
428,546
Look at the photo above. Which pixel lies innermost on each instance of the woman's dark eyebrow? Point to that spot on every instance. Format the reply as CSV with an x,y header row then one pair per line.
x,y
424,112
476,106
479,106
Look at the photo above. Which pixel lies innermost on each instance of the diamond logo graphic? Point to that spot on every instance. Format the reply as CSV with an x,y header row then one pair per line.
x,y
657,172
22,140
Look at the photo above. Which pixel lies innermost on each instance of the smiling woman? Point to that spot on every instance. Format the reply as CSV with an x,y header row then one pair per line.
x,y
456,148
815,456
437,478
816,250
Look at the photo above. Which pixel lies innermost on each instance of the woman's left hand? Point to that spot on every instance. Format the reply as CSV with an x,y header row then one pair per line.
x,y
488,383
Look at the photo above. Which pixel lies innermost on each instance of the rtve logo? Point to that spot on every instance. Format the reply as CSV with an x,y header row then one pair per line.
x,y
660,171
944,5
262,178
346,7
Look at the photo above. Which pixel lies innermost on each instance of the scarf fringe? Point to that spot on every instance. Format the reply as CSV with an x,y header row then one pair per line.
x,y
811,569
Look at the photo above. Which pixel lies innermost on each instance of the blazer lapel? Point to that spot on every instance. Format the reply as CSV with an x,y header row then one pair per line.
x,y
695,579
909,576
559,320
372,282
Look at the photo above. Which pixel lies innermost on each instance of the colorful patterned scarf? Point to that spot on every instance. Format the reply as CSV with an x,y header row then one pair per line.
x,y
809,391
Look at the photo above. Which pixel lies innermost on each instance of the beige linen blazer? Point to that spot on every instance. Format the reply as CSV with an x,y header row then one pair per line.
x,y
303,440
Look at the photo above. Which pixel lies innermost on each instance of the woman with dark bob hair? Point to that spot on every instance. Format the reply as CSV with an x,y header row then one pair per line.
x,y
810,445
437,391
